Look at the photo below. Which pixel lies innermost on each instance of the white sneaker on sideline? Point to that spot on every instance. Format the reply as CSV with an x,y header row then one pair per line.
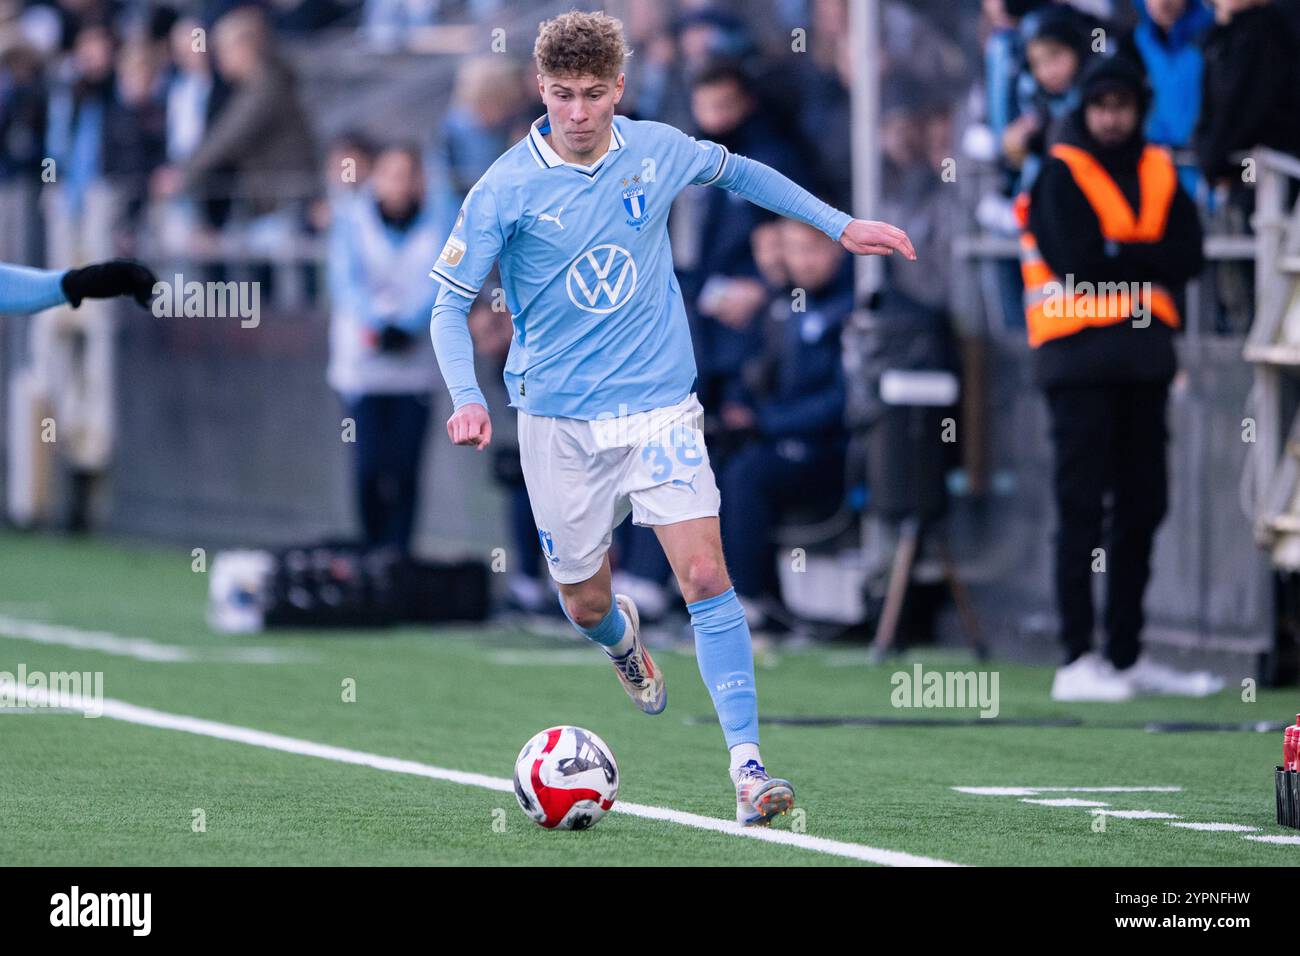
x,y
529,594
1091,678
1148,677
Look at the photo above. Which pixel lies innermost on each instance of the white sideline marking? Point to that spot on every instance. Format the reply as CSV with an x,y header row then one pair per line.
x,y
130,713
1025,793
140,648
26,608
1032,791
575,657
1228,827
1065,802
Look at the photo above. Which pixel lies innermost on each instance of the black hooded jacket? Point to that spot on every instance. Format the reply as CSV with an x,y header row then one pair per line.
x,y
1250,91
1070,240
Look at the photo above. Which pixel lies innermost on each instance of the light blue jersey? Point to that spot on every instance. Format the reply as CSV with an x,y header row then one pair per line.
x,y
600,328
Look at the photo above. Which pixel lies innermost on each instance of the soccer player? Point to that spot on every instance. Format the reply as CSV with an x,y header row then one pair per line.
x,y
601,366
24,289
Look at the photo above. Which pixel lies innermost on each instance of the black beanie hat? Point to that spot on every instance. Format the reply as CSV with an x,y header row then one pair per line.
x,y
1018,8
1061,25
1105,74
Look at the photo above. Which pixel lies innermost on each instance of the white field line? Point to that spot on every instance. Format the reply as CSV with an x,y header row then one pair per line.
x,y
1065,802
569,657
1215,827
130,713
26,608
1171,819
1033,791
140,648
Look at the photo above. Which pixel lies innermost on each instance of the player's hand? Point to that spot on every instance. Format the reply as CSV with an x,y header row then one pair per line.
x,y
470,425
1016,137
105,280
864,237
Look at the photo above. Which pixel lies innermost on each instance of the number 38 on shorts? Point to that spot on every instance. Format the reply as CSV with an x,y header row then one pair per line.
x,y
685,447
585,477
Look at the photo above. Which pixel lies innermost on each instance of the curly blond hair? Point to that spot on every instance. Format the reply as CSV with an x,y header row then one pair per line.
x,y
581,44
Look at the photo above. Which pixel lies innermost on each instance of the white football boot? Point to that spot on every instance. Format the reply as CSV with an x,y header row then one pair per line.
x,y
1148,677
636,671
1091,678
760,798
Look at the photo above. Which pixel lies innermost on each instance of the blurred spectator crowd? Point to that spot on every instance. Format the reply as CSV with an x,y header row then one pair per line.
x,y
1223,79
163,128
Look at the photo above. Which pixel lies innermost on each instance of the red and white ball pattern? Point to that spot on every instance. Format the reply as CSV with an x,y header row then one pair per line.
x,y
566,778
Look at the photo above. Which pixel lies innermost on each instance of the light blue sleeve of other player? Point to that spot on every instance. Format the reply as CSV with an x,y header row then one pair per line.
x,y
466,260
24,289
710,164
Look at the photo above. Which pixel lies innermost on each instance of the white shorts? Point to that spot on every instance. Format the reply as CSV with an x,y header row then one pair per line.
x,y
584,477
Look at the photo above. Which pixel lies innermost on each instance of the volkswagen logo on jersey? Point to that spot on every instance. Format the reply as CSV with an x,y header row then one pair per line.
x,y
602,279
634,203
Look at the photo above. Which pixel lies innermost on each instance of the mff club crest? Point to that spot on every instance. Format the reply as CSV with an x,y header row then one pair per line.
x,y
634,202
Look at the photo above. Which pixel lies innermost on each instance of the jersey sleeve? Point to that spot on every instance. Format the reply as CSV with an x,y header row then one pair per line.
x,y
474,244
453,345
764,186
704,159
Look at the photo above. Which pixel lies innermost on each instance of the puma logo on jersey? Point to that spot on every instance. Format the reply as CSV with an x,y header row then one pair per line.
x,y
547,217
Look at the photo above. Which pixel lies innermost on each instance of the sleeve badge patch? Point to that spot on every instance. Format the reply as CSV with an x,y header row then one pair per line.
x,y
453,251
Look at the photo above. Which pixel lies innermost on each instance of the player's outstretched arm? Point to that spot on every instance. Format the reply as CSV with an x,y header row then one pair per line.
x,y
470,423
24,289
764,186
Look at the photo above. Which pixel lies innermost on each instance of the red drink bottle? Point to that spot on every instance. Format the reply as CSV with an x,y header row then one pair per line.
x,y
1295,744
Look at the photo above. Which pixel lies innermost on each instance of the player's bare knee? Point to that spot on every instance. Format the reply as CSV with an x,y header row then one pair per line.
x,y
587,610
706,577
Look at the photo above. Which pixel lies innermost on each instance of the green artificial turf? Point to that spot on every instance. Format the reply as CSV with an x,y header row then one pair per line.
x,y
78,791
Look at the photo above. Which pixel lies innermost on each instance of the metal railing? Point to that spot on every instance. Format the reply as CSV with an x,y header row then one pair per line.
x,y
1273,347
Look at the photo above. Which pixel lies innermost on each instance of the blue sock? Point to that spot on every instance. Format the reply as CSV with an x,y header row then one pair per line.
x,y
726,658
610,629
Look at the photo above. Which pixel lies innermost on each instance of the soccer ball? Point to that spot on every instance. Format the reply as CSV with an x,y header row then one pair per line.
x,y
566,778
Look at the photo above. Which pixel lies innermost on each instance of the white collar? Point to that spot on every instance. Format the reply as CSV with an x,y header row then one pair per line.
x,y
548,158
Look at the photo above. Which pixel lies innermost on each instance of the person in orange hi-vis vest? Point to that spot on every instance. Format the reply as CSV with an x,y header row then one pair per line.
x,y
1109,241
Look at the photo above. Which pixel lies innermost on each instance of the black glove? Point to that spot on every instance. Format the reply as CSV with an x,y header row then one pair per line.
x,y
394,339
104,280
